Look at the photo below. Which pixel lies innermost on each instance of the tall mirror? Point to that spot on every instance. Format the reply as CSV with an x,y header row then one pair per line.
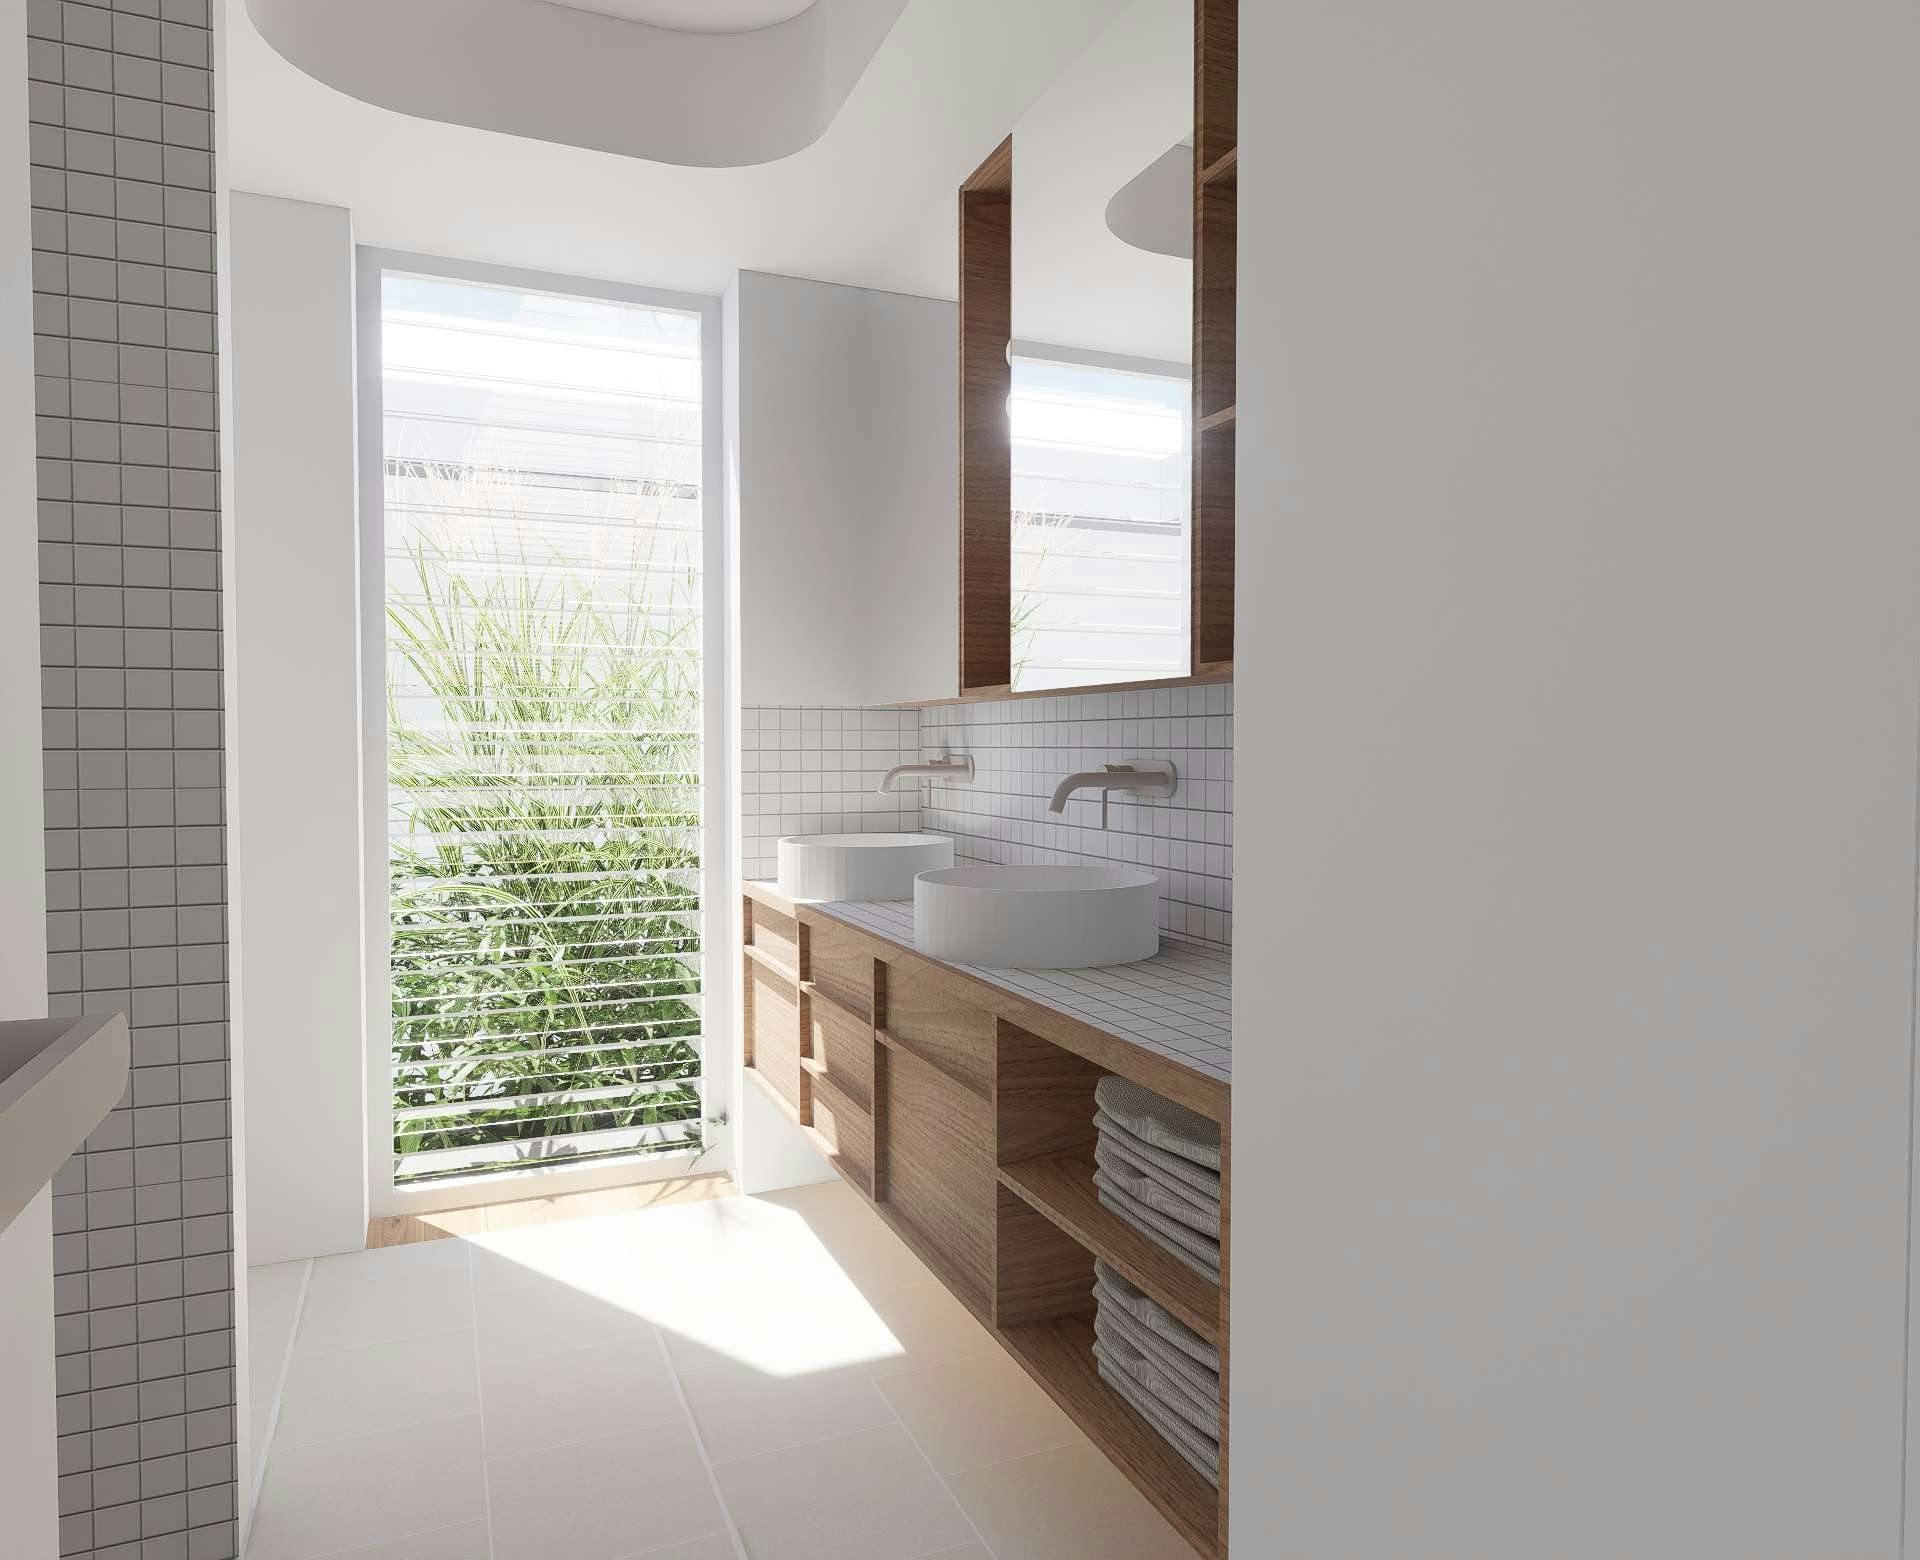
x,y
1100,408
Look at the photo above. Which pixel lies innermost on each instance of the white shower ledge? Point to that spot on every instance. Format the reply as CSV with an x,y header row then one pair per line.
x,y
58,1079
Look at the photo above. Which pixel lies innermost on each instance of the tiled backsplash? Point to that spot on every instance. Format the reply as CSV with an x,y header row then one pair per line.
x,y
816,771
813,771
1023,748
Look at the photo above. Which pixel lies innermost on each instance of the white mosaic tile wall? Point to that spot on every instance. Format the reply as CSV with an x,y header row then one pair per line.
x,y
815,771
1023,747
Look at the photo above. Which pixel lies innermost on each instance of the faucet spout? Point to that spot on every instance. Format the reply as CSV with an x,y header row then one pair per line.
x,y
960,769
1142,776
1087,778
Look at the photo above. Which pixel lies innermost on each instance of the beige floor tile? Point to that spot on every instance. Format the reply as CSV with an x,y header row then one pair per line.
x,y
868,1496
925,1326
380,1387
715,1546
379,1296
974,1551
537,1314
743,1410
335,1495
578,1395
595,1500
273,1306
1070,1504
977,1411
468,1541
869,1253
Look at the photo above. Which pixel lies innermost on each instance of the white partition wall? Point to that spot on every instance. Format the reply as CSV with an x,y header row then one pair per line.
x,y
296,726
846,483
1580,634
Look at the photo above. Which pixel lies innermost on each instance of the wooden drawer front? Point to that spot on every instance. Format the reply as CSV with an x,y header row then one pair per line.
x,y
843,1045
839,964
930,1011
939,1167
775,935
773,1016
844,1133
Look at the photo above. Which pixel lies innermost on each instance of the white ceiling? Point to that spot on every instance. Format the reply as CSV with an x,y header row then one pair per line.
x,y
699,16
870,203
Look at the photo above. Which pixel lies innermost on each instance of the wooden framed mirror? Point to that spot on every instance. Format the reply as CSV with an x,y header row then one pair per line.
x,y
1096,362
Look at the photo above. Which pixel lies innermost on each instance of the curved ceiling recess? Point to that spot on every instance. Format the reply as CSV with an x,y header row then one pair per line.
x,y
1154,209
701,83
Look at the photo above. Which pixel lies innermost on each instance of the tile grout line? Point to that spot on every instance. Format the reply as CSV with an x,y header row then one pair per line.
x,y
700,1444
940,1479
279,1395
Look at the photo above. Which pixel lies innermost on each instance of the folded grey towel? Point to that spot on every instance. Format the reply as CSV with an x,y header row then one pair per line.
x,y
1201,1410
1167,1126
1205,1183
1155,1193
1204,1460
1196,1250
1199,1383
1112,1288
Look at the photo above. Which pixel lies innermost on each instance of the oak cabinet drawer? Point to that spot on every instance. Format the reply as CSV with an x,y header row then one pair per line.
x,y
844,1133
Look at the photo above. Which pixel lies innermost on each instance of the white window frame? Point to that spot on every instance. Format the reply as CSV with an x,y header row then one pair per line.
x,y
717,876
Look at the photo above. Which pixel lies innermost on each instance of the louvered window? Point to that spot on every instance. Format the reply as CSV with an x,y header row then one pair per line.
x,y
1101,473
542,537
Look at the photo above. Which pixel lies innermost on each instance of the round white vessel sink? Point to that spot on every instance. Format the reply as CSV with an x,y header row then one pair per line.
x,y
858,866
1037,918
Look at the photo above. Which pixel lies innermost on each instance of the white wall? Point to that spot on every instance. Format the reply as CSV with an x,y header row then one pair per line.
x,y
28,1492
296,727
1578,621
847,491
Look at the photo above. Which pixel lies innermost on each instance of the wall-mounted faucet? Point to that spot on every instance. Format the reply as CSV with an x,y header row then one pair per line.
x,y
1142,776
949,769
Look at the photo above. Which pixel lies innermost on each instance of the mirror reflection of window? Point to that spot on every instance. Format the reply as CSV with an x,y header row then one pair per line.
x,y
1101,558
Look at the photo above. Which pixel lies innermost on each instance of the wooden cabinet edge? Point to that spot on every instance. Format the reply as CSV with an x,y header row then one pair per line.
x,y
1209,1096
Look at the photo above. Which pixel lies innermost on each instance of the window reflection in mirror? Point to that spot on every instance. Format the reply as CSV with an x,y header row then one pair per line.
x,y
1101,468
1102,315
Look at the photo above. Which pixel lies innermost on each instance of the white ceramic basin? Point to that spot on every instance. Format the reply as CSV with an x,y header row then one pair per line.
x,y
1037,918
858,866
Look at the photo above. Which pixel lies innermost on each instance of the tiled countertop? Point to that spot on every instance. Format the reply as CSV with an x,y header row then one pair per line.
x,y
1179,1003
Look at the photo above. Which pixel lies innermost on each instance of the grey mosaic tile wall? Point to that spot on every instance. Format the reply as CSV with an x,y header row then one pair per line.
x,y
121,99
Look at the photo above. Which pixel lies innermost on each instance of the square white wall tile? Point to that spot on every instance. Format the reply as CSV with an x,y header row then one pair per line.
x,y
816,770
1022,748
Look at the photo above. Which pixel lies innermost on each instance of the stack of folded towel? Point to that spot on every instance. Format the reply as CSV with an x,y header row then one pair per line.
x,y
1157,1166
1166,1370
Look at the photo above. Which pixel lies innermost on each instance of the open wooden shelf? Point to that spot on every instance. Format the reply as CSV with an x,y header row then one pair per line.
x,y
1061,1187
1222,169
1212,420
1058,1354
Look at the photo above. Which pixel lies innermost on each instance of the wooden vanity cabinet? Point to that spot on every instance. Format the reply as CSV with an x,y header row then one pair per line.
x,y
964,1114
